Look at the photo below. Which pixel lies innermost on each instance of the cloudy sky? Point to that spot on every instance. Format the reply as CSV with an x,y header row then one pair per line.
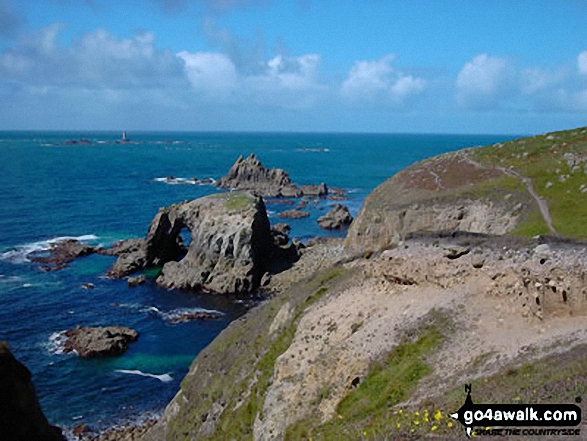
x,y
462,66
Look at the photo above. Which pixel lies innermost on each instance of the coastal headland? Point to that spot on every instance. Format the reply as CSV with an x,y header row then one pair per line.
x,y
468,267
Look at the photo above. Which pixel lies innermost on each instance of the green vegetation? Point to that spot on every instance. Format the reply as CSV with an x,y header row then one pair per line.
x,y
366,409
237,200
555,177
236,369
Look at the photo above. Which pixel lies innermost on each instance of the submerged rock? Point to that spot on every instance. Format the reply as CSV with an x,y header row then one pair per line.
x,y
338,217
60,254
99,341
21,417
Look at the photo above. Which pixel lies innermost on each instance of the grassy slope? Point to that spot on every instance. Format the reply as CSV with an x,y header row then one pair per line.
x,y
539,158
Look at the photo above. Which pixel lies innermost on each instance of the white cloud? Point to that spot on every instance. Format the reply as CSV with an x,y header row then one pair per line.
x,y
483,80
96,60
582,62
209,71
380,80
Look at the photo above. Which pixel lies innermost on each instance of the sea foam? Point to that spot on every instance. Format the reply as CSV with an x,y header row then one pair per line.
x,y
20,253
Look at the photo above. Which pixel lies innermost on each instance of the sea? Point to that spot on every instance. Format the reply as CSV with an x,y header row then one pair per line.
x,y
86,185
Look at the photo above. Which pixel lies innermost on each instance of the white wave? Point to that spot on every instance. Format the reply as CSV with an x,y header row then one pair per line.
x,y
180,312
168,315
165,378
190,181
20,252
55,343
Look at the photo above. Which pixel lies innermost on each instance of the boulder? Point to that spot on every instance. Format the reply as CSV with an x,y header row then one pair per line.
x,y
314,190
99,341
21,417
193,315
338,217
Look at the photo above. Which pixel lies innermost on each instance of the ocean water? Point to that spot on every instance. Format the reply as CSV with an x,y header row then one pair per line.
x,y
103,192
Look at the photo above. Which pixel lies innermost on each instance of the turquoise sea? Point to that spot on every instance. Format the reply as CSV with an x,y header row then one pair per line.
x,y
101,192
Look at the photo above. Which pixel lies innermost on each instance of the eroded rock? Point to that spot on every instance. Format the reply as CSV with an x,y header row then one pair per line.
x,y
337,218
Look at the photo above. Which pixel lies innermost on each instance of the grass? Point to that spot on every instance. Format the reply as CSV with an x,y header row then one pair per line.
x,y
389,382
539,159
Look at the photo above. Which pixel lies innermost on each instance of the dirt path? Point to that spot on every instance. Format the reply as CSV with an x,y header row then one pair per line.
x,y
542,204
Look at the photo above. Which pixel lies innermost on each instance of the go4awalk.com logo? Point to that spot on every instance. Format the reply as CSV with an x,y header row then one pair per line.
x,y
550,420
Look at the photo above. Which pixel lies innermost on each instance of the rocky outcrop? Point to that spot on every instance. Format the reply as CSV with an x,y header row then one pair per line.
x,y
337,218
97,342
230,247
21,417
250,174
293,214
60,254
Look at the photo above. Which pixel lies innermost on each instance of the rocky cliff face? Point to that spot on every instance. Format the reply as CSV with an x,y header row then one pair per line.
x,y
229,249
528,186
445,193
21,417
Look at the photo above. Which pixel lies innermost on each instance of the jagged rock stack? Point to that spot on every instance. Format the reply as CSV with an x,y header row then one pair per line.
x,y
337,218
250,174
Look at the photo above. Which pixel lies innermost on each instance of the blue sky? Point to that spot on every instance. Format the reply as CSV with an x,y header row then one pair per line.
x,y
467,66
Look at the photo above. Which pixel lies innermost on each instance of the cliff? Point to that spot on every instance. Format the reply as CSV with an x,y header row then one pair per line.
x,y
529,186
21,417
371,340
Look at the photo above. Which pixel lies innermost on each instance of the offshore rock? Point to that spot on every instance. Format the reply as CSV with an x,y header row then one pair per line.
x,y
21,417
100,341
250,174
229,250
60,254
337,218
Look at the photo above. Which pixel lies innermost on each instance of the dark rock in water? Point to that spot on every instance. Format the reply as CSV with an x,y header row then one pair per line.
x,y
88,286
303,203
100,341
60,254
293,214
250,174
338,217
190,316
21,417
136,281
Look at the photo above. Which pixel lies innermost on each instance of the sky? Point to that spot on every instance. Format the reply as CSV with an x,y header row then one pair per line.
x,y
407,66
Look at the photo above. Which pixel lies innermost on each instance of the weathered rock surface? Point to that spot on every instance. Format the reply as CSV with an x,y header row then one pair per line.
x,y
21,417
230,248
99,341
60,254
250,174
193,315
337,218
